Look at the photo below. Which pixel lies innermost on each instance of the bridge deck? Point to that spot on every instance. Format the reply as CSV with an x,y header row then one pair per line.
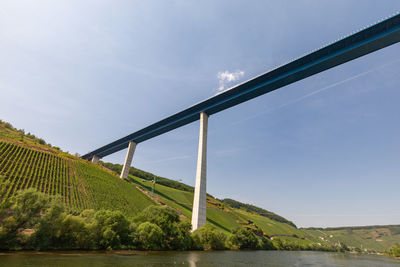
x,y
375,37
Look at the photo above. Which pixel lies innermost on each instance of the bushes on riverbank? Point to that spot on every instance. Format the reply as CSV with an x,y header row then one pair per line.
x,y
281,244
34,220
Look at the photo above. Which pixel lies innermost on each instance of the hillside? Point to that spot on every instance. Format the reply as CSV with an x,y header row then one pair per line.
x,y
28,161
257,210
227,218
10,134
365,238
181,196
81,185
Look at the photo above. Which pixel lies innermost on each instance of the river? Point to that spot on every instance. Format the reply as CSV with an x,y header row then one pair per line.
x,y
193,259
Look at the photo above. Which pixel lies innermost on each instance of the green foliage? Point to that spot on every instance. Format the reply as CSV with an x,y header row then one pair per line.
x,y
41,141
49,228
250,208
282,244
149,236
181,238
27,206
176,234
163,216
265,244
394,251
74,233
243,239
23,212
111,229
207,237
36,221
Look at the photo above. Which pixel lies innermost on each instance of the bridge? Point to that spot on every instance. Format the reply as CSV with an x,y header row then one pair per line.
x,y
363,42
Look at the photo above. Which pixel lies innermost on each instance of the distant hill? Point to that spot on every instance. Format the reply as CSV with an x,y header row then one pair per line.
x,y
367,238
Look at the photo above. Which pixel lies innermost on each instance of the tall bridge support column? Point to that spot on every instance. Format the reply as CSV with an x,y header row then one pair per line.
x,y
95,159
200,191
128,159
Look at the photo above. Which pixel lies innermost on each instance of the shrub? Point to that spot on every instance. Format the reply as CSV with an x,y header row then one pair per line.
x,y
176,234
75,233
149,236
41,141
21,212
110,229
164,217
243,239
49,228
207,237
181,238
394,251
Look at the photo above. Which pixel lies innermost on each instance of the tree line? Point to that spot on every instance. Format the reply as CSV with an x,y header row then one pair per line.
x,y
34,220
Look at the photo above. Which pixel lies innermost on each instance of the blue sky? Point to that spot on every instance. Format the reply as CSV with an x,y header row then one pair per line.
x,y
321,152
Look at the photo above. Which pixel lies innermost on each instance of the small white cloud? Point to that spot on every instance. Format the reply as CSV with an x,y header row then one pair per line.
x,y
225,77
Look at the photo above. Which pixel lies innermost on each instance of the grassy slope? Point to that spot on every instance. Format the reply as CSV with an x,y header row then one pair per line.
x,y
271,227
226,219
222,218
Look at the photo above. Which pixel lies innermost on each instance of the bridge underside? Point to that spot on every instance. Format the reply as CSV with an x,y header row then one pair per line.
x,y
366,41
359,44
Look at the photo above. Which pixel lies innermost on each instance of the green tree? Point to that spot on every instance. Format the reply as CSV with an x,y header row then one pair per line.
x,y
163,216
394,251
27,207
110,229
22,212
207,237
149,236
243,239
75,233
181,238
47,234
175,234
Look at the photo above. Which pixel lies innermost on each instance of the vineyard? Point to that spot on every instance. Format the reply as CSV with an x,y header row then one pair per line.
x,y
81,185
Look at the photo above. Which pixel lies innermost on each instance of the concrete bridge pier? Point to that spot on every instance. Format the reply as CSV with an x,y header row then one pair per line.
x,y
95,159
200,191
128,159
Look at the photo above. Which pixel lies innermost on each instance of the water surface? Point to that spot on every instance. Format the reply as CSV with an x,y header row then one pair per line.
x,y
193,259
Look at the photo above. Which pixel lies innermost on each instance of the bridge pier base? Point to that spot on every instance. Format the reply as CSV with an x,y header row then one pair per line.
x,y
200,191
95,159
128,159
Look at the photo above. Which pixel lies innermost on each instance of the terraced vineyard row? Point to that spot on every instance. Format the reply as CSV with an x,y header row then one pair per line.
x,y
48,173
80,185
